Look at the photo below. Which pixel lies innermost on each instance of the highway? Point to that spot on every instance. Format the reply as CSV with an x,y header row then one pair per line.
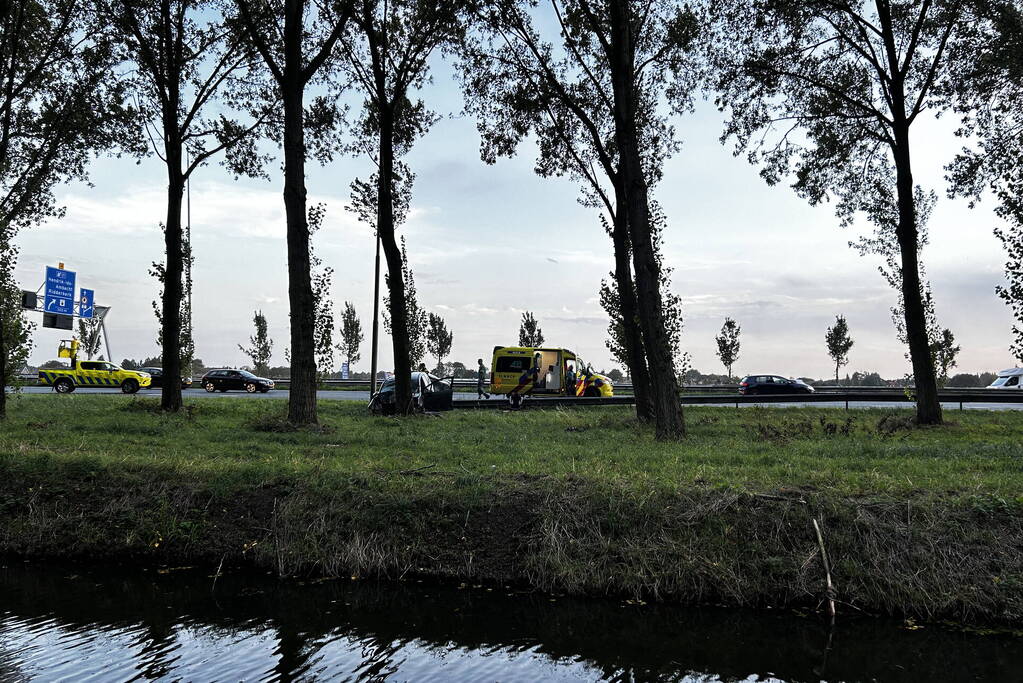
x,y
323,395
470,398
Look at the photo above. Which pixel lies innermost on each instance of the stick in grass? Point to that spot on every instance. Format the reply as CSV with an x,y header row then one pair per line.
x,y
827,570
217,575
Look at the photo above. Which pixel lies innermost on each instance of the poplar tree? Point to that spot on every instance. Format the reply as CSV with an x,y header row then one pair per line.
x,y
324,329
728,344
594,98
530,334
839,343
296,40
180,60
387,53
351,335
674,321
58,104
827,93
987,90
945,352
15,330
261,345
415,317
438,340
90,336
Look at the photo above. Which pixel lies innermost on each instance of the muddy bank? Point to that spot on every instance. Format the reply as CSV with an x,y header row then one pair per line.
x,y
922,556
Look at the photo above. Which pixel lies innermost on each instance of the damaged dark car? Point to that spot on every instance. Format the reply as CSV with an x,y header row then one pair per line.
x,y
429,394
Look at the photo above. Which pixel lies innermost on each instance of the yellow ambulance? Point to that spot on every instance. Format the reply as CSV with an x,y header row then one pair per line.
x,y
521,370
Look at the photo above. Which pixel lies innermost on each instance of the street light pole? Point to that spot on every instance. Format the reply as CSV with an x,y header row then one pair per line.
x,y
376,315
188,240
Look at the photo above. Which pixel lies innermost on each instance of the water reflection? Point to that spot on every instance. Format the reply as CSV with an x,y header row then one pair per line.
x,y
148,626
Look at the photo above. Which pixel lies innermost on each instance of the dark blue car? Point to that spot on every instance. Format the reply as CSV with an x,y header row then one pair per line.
x,y
758,385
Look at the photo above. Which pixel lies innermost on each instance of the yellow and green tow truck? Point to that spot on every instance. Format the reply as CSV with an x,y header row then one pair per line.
x,y
90,373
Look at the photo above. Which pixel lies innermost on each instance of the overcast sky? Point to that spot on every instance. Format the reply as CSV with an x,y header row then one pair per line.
x,y
488,242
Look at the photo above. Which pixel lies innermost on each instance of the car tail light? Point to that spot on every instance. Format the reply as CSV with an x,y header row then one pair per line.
x,y
743,384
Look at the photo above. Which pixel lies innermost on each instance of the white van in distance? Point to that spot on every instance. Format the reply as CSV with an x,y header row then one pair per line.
x,y
1008,379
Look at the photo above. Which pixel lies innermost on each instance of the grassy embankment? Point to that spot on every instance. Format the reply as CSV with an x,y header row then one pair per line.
x,y
921,522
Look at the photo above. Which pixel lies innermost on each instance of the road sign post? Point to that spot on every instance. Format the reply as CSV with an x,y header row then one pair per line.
x,y
101,314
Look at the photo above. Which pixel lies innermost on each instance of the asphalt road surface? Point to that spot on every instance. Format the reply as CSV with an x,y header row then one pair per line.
x,y
326,395
363,396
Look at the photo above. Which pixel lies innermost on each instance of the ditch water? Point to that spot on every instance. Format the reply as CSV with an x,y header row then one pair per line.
x,y
89,625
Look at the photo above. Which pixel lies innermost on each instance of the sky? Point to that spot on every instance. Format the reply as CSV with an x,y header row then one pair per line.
x,y
486,243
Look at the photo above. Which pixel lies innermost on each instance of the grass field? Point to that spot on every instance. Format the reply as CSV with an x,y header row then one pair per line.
x,y
926,522
754,449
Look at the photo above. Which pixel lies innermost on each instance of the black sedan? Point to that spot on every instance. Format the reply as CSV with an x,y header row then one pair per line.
x,y
156,377
242,380
428,393
772,384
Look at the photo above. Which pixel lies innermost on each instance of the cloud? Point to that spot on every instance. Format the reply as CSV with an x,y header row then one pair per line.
x,y
221,209
428,278
578,320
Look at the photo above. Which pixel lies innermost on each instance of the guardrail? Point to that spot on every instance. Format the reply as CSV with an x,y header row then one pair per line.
x,y
861,396
704,395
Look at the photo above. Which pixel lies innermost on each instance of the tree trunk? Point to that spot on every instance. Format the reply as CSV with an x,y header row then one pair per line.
x,y
170,395
631,334
928,408
302,396
392,254
3,366
670,423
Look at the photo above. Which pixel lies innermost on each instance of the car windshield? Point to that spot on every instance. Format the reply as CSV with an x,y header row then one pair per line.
x,y
246,374
1000,382
512,364
417,379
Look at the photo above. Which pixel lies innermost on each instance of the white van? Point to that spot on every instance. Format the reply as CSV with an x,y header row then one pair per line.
x,y
1008,379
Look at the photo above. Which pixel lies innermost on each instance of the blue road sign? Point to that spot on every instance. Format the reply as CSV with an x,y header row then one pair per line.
x,y
85,302
60,291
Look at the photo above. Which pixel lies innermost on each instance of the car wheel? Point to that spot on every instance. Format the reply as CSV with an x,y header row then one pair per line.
x,y
251,388
129,386
209,387
63,386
